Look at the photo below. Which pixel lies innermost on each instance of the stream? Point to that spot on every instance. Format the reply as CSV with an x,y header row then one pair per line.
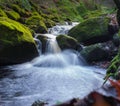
x,y
55,76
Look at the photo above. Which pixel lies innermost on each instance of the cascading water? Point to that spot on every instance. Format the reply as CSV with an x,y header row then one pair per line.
x,y
51,78
39,45
52,46
61,29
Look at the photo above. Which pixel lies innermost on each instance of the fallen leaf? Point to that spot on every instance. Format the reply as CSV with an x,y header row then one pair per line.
x,y
116,85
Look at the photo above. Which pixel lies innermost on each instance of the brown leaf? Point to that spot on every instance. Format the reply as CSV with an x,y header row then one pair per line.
x,y
116,85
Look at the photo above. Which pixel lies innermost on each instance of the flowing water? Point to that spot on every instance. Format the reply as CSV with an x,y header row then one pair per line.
x,y
52,77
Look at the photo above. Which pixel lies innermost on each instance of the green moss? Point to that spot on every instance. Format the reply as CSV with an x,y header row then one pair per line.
x,y
49,23
13,32
2,13
95,13
90,28
13,15
20,10
16,42
82,10
66,42
113,69
36,23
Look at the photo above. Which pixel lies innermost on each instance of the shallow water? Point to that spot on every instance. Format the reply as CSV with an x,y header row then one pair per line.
x,y
51,78
55,76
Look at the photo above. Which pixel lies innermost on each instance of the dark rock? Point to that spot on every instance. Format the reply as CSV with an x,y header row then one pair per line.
x,y
43,40
94,53
16,43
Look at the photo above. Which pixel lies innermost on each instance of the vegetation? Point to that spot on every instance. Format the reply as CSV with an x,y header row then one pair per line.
x,y
2,13
13,15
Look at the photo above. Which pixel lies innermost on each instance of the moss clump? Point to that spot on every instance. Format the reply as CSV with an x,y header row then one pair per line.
x,y
114,68
93,14
90,30
16,42
82,10
2,13
66,42
20,10
13,15
36,23
49,23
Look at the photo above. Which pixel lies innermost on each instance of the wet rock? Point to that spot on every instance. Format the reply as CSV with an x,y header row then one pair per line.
x,y
43,40
16,43
94,53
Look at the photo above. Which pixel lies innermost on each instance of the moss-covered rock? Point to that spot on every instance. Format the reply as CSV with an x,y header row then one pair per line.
x,y
94,53
67,42
2,13
36,23
92,31
16,42
13,15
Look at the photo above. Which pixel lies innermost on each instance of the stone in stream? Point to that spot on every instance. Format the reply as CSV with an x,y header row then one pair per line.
x,y
16,43
67,42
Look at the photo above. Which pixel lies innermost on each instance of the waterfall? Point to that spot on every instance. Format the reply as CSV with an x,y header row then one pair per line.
x,y
39,45
61,29
52,45
51,77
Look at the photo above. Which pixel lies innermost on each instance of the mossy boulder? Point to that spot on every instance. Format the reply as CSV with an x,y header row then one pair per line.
x,y
2,13
67,42
94,53
91,31
16,42
36,23
13,15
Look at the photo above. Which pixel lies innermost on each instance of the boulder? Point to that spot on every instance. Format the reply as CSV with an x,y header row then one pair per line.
x,y
16,43
67,42
94,53
93,30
